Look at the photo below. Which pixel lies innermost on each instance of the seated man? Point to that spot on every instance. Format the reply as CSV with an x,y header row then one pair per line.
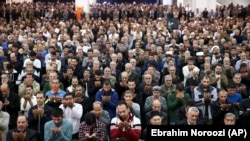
x,y
192,117
55,95
108,97
58,129
182,112
156,95
134,107
125,125
28,100
22,132
92,129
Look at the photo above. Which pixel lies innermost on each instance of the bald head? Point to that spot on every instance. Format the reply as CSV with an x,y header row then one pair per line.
x,y
4,89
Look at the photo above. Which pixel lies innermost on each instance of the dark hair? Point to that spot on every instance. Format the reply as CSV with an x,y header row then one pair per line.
x,y
190,102
180,87
29,86
9,66
57,112
68,94
122,102
40,92
231,85
98,72
90,118
32,53
107,83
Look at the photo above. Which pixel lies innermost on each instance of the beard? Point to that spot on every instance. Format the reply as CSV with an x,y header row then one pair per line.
x,y
106,92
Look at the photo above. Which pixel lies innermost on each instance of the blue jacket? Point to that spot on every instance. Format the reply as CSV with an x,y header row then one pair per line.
x,y
111,105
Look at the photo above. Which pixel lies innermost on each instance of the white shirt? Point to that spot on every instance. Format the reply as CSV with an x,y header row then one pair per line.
x,y
73,115
28,106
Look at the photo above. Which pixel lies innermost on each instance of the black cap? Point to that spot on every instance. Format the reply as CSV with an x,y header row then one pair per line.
x,y
155,113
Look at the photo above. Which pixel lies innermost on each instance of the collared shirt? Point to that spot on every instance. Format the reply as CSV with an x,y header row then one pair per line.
x,y
99,129
28,106
73,115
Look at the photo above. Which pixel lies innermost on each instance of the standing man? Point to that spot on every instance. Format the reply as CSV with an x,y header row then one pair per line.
x,y
55,95
204,95
125,125
28,100
39,114
108,97
11,104
58,129
72,112
22,132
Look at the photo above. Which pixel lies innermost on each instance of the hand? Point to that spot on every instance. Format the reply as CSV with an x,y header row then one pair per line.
x,y
120,125
41,112
6,103
35,112
87,135
225,106
179,95
15,136
57,99
207,96
129,103
97,83
105,98
59,130
27,97
78,99
21,136
52,98
126,125
93,135
148,88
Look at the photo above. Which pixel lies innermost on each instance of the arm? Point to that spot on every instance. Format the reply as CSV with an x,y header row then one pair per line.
x,y
173,102
113,101
67,136
164,105
77,112
105,117
135,132
47,133
115,132
147,105
15,105
36,87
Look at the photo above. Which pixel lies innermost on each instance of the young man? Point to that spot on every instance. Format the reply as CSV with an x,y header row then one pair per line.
x,y
58,129
92,129
72,112
39,114
125,124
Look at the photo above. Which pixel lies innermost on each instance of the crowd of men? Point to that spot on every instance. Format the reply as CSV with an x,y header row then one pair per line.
x,y
119,68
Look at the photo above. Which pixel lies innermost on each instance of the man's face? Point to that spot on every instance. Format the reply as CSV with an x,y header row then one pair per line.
x,y
192,117
131,85
156,120
205,82
123,112
97,110
237,79
5,92
40,99
69,100
128,97
29,91
57,120
78,91
223,97
229,120
218,69
22,123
